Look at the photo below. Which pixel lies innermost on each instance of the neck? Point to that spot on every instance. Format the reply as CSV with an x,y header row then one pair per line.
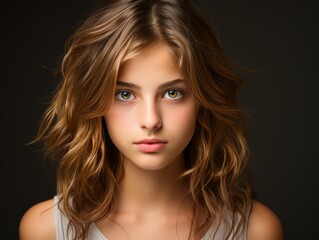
x,y
151,190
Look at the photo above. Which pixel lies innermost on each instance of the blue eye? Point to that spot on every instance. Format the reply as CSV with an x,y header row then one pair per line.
x,y
173,94
124,96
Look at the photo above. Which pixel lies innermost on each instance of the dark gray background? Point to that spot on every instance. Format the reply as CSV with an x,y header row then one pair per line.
x,y
277,39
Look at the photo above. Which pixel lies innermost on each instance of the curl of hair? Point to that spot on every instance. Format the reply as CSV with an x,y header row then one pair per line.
x,y
74,131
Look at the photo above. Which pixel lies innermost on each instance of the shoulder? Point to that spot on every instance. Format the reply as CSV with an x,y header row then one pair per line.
x,y
38,222
263,224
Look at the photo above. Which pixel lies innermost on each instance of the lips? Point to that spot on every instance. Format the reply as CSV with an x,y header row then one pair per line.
x,y
150,145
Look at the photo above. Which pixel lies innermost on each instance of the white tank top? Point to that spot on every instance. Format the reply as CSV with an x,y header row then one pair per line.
x,y
61,224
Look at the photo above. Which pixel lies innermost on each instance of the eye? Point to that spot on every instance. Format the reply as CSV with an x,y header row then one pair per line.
x,y
173,94
124,96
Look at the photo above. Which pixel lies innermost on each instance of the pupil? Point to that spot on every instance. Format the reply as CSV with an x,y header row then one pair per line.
x,y
172,94
126,95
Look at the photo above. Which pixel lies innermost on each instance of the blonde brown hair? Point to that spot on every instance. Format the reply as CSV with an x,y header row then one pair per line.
x,y
74,132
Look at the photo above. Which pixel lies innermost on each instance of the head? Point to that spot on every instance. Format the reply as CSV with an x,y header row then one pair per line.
x,y
74,126
152,117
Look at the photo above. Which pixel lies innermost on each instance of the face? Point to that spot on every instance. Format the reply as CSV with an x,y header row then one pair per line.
x,y
153,115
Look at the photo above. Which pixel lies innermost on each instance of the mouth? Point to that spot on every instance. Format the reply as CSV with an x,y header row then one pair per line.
x,y
150,145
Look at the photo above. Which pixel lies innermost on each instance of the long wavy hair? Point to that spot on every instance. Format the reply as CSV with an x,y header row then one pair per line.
x,y
74,132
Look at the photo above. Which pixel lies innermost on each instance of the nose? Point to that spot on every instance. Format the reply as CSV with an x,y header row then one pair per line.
x,y
150,116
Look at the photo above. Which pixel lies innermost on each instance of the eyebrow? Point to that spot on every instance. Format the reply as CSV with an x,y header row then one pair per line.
x,y
164,85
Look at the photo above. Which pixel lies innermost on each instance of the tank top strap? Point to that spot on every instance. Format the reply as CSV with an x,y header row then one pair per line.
x,y
219,231
61,222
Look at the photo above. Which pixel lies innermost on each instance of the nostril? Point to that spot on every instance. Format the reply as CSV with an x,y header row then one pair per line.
x,y
151,125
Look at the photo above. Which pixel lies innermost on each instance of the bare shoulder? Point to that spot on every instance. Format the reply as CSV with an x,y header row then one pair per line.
x,y
263,224
38,222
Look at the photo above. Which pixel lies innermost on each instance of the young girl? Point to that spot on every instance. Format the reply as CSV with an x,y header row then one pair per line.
x,y
147,133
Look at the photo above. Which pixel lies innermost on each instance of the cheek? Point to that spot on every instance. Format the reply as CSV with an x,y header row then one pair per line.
x,y
183,122
117,117
117,123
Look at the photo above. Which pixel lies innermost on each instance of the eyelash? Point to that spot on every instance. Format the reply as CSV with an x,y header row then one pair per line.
x,y
180,93
118,95
121,92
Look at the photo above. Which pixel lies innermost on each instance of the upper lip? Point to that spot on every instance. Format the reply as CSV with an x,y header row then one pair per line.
x,y
150,141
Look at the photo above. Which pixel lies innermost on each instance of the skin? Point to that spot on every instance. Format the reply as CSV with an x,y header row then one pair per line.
x,y
153,101
150,104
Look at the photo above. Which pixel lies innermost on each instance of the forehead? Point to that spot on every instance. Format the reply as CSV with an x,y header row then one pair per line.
x,y
153,63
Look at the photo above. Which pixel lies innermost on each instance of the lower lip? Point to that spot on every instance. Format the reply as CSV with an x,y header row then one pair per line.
x,y
150,147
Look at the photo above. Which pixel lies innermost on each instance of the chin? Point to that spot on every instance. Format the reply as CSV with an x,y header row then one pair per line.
x,y
151,162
